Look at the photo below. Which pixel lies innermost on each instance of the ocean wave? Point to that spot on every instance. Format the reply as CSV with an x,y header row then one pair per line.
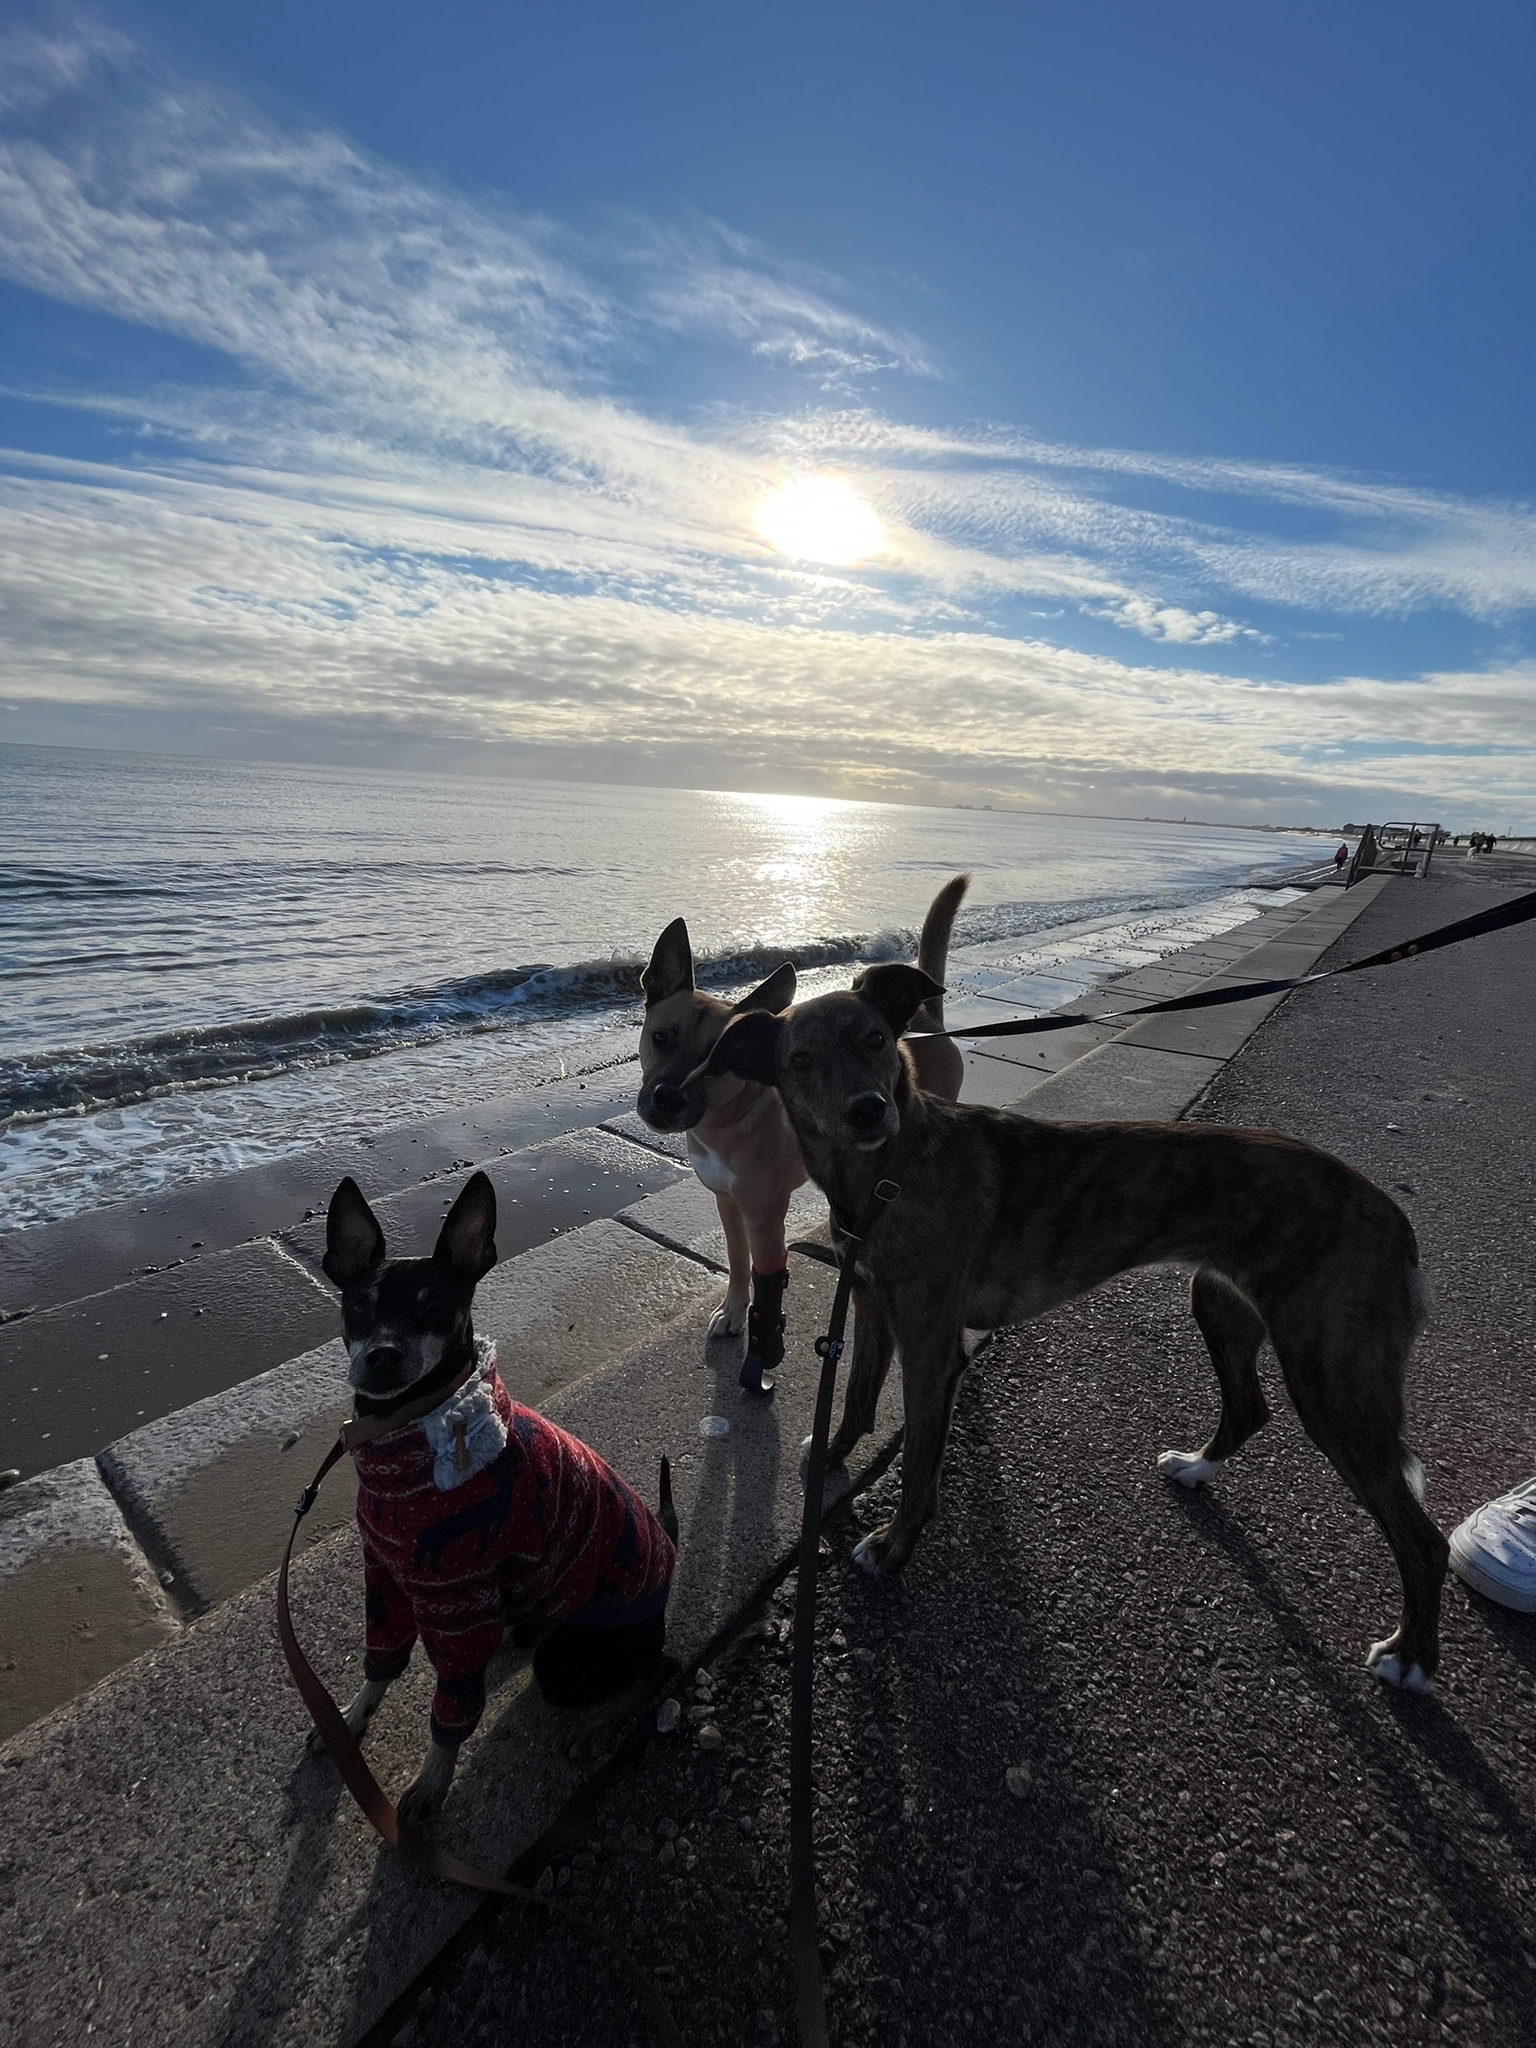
x,y
209,881
79,1079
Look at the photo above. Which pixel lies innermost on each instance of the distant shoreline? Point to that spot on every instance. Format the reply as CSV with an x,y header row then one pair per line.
x,y
1124,818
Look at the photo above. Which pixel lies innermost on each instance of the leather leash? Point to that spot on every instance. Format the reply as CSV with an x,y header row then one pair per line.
x,y
804,1948
353,1766
1519,910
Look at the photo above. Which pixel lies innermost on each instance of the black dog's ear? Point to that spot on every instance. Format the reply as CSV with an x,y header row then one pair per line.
x,y
354,1242
774,994
671,968
467,1241
749,1047
897,992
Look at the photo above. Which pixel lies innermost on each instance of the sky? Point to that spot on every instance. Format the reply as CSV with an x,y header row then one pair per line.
x,y
1088,407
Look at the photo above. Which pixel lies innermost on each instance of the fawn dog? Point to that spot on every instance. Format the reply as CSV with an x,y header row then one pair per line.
x,y
1000,1217
739,1140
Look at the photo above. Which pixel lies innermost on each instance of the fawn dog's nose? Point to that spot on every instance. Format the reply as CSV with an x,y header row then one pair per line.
x,y
668,1100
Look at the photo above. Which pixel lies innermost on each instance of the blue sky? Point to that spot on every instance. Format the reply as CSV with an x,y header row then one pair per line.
x,y
403,385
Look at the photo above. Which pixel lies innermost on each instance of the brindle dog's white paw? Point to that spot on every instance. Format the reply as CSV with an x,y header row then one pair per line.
x,y
1188,1467
729,1319
836,1483
869,1555
1384,1662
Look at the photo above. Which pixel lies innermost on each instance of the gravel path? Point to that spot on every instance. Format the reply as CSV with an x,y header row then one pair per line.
x,y
1106,1767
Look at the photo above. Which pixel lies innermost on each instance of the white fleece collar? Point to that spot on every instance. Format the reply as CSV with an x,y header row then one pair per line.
x,y
466,1433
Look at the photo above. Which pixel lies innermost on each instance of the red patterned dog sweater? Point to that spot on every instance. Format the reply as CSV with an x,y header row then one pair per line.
x,y
483,1514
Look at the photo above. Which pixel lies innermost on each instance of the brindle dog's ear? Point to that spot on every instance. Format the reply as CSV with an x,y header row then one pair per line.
x,y
354,1242
749,1048
467,1241
896,992
774,994
671,968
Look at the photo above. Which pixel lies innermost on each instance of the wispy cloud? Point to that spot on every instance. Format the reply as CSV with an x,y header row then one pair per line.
x,y
704,279
414,501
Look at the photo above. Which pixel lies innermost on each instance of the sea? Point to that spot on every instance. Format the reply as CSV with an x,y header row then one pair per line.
x,y
205,965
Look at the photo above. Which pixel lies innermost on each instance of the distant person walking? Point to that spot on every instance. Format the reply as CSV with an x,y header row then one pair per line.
x,y
1341,858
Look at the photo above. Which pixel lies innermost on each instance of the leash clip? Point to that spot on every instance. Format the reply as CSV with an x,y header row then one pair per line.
x,y
306,1500
887,1190
829,1347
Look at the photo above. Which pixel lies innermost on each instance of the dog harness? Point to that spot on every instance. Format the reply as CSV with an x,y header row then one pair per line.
x,y
484,1513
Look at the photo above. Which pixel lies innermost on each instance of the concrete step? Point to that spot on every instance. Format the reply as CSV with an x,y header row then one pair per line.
x,y
42,1267
74,1377
542,1192
686,1217
77,1598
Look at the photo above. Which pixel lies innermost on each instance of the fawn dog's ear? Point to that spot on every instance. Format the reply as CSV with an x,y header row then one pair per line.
x,y
354,1243
749,1047
671,968
896,992
467,1241
774,994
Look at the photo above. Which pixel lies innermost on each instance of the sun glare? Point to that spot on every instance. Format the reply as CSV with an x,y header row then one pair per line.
x,y
820,519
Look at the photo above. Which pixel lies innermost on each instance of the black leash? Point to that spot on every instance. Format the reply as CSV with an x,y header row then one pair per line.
x,y
804,1947
1519,910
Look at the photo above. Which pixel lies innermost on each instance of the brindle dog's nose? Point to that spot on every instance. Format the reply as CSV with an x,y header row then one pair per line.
x,y
866,1112
668,1100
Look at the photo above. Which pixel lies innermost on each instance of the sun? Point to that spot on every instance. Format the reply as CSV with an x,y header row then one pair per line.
x,y
820,519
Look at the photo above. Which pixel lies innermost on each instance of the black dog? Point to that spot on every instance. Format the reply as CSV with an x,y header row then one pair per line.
x,y
477,1513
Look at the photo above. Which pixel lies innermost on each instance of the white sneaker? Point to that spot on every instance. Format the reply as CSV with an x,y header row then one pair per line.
x,y
1494,1549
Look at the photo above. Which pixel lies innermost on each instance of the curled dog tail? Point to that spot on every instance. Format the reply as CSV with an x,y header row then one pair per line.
x,y
933,948
666,1513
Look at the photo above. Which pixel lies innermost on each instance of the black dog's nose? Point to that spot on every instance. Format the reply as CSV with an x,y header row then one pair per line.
x,y
667,1100
382,1358
864,1112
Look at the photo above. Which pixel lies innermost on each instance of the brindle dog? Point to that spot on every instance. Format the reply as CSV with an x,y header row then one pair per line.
x,y
1000,1217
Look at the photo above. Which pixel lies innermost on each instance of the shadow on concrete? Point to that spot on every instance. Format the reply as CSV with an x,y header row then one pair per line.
x,y
312,1800
922,1810
730,1493
1446,1860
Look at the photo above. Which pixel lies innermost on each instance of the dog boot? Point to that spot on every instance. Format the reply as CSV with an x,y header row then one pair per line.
x,y
765,1332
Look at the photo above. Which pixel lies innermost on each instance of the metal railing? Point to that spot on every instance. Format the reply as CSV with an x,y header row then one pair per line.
x,y
1400,847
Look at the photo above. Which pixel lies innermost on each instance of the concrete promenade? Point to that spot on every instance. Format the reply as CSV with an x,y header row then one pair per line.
x,y
165,1830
